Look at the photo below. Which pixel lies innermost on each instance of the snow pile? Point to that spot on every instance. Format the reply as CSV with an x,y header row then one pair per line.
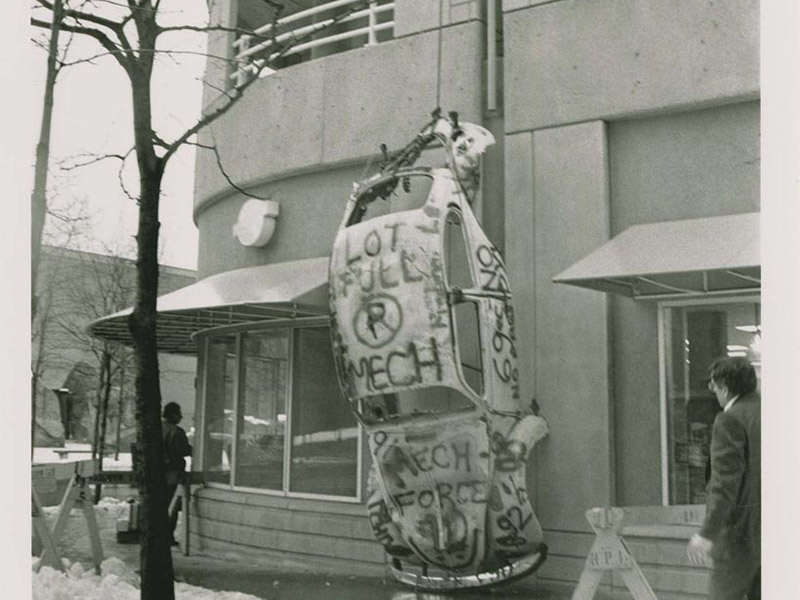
x,y
116,582
81,452
107,511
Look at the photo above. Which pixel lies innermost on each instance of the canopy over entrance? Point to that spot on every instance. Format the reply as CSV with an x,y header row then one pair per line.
x,y
673,258
290,289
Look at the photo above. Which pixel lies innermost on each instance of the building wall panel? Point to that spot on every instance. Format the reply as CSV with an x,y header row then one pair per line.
x,y
571,61
574,464
663,168
295,529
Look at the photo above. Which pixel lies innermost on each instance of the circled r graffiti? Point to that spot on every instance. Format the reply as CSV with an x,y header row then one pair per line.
x,y
378,320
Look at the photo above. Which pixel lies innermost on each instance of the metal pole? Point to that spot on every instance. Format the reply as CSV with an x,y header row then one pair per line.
x,y
372,38
491,55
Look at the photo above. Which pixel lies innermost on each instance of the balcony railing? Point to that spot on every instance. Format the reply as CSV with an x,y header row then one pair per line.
x,y
312,33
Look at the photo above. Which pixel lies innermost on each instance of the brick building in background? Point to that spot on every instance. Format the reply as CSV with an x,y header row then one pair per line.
x,y
74,288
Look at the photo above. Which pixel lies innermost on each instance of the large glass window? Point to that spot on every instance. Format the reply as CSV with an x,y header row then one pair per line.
x,y
695,335
261,418
218,434
259,386
324,432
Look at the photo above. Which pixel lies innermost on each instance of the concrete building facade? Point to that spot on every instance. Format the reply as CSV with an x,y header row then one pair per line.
x,y
612,118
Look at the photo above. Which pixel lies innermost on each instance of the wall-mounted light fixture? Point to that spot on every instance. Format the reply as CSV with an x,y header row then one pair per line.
x,y
256,222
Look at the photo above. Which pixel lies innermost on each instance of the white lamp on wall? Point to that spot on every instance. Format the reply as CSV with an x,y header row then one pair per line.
x,y
256,222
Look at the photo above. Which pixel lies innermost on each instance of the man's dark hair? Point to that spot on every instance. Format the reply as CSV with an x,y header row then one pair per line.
x,y
735,373
171,410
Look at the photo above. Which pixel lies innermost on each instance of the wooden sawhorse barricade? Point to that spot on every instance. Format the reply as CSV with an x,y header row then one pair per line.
x,y
181,498
76,496
610,553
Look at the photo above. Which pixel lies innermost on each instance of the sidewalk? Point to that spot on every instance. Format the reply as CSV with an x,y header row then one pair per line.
x,y
274,584
269,581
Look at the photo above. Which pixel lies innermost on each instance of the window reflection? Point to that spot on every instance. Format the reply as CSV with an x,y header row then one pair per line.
x,y
324,431
695,336
262,414
218,435
282,377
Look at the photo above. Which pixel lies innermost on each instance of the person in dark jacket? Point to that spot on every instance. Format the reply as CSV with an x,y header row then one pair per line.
x,y
730,538
176,448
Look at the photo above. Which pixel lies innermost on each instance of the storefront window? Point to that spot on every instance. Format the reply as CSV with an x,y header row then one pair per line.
x,y
218,435
262,410
285,380
694,336
324,432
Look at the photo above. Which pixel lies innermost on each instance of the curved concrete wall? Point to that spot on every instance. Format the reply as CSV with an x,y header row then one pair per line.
x,y
311,207
340,108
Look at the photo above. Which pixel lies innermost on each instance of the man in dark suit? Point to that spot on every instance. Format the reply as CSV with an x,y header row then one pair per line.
x,y
730,538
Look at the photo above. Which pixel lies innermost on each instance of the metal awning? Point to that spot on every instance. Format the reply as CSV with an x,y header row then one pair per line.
x,y
290,289
713,255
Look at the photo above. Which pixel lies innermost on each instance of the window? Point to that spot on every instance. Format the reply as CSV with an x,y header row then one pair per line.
x,y
261,385
693,336
261,418
464,314
218,434
324,433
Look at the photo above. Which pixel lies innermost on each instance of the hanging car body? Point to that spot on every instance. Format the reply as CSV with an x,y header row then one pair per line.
x,y
424,343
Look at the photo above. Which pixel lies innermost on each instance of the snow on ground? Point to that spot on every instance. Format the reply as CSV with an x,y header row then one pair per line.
x,y
118,579
83,452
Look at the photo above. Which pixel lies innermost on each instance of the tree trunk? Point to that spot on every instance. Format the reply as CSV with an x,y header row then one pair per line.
x,y
98,394
39,194
119,410
106,394
155,557
34,391
155,540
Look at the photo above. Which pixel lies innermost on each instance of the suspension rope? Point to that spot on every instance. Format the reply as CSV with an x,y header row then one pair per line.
x,y
439,59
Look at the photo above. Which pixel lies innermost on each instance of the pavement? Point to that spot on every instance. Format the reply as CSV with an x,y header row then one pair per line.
x,y
278,582
274,584
273,581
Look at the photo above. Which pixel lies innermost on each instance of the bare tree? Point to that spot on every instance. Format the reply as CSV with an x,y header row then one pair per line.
x,y
67,224
99,285
39,194
129,32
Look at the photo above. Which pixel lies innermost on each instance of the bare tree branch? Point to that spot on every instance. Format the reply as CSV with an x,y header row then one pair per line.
x,y
210,28
222,170
216,88
94,57
131,6
80,15
215,114
98,35
91,159
158,141
122,179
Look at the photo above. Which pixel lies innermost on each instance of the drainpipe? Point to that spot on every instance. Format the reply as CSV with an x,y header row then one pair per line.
x,y
491,55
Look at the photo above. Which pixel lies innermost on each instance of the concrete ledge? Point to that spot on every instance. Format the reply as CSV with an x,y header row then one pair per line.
x,y
667,532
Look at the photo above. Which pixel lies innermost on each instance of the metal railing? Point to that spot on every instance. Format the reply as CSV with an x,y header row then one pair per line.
x,y
308,30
